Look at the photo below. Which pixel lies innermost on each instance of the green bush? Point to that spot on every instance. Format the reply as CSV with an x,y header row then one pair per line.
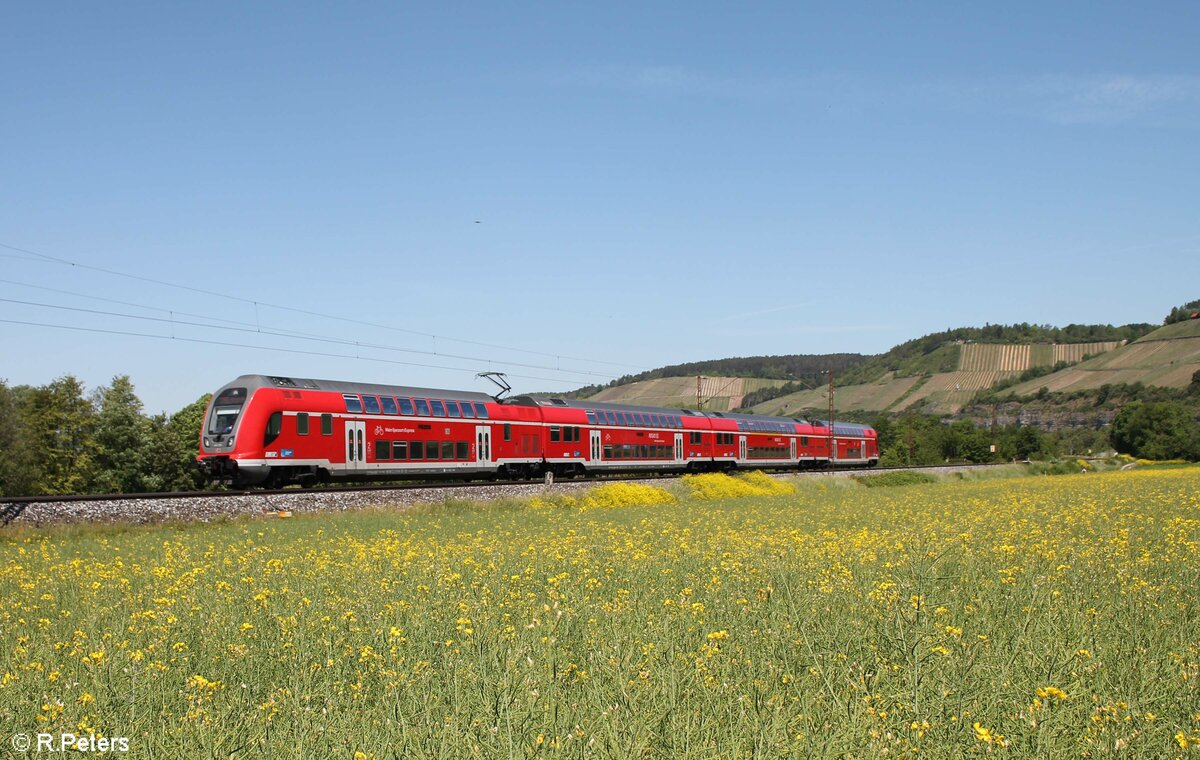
x,y
890,479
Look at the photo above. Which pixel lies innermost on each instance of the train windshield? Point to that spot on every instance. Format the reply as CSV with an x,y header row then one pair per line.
x,y
226,408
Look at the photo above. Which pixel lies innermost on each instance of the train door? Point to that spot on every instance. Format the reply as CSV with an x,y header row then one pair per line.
x,y
742,447
679,447
483,444
355,446
596,446
792,449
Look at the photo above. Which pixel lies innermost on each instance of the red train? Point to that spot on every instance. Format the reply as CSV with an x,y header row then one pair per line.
x,y
265,430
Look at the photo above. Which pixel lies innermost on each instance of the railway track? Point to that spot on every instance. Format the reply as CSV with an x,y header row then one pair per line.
x,y
168,505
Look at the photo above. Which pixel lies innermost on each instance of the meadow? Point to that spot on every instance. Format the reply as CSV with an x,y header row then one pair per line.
x,y
1020,617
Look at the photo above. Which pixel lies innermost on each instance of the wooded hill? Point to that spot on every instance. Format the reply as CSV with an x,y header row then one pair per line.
x,y
938,374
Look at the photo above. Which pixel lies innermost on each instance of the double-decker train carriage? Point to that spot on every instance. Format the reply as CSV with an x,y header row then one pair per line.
x,y
269,430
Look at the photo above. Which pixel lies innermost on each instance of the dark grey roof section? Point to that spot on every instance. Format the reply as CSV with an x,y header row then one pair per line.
x,y
845,428
251,382
571,403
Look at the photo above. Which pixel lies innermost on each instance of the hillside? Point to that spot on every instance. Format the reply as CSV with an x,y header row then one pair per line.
x,y
978,366
719,394
1167,357
938,374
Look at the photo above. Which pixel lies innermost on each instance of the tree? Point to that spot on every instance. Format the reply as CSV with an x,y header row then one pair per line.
x,y
20,470
174,444
1182,313
122,434
60,425
1156,430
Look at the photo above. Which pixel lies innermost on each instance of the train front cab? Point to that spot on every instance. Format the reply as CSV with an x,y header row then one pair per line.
x,y
230,422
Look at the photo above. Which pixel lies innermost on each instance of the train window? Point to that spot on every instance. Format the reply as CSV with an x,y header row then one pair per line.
x,y
400,450
447,449
406,406
507,432
803,440
326,424
383,451
462,450
480,411
416,449
422,407
439,409
371,404
610,418
576,435
302,423
274,428
658,421
608,451
389,404
468,410
555,435
431,450
353,403
452,409
591,417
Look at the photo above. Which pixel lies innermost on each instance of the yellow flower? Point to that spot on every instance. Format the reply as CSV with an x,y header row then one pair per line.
x,y
1048,692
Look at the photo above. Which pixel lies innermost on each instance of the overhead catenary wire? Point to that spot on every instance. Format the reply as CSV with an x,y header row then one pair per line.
x,y
128,333
262,330
66,262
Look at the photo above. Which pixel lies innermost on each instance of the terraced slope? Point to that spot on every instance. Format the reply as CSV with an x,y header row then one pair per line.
x,y
719,394
1166,357
872,396
980,366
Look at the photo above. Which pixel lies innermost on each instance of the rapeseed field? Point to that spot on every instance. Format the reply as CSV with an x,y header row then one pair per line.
x,y
1027,617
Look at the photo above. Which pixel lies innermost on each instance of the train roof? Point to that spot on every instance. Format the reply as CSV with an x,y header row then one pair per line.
x,y
845,428
571,403
253,382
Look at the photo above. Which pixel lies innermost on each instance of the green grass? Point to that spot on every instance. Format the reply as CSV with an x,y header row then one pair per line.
x,y
1027,616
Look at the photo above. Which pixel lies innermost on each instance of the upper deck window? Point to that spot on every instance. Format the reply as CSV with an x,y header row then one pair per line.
x,y
389,405
452,409
353,403
468,410
371,404
439,409
481,411
406,406
422,407
591,417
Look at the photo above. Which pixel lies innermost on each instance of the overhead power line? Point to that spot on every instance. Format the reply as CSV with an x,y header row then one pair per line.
x,y
66,262
127,333
260,330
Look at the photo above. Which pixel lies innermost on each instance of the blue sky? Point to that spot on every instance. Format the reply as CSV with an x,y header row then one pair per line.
x,y
580,192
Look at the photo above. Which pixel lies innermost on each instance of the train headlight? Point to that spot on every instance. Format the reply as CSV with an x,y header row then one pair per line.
x,y
207,443
229,443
